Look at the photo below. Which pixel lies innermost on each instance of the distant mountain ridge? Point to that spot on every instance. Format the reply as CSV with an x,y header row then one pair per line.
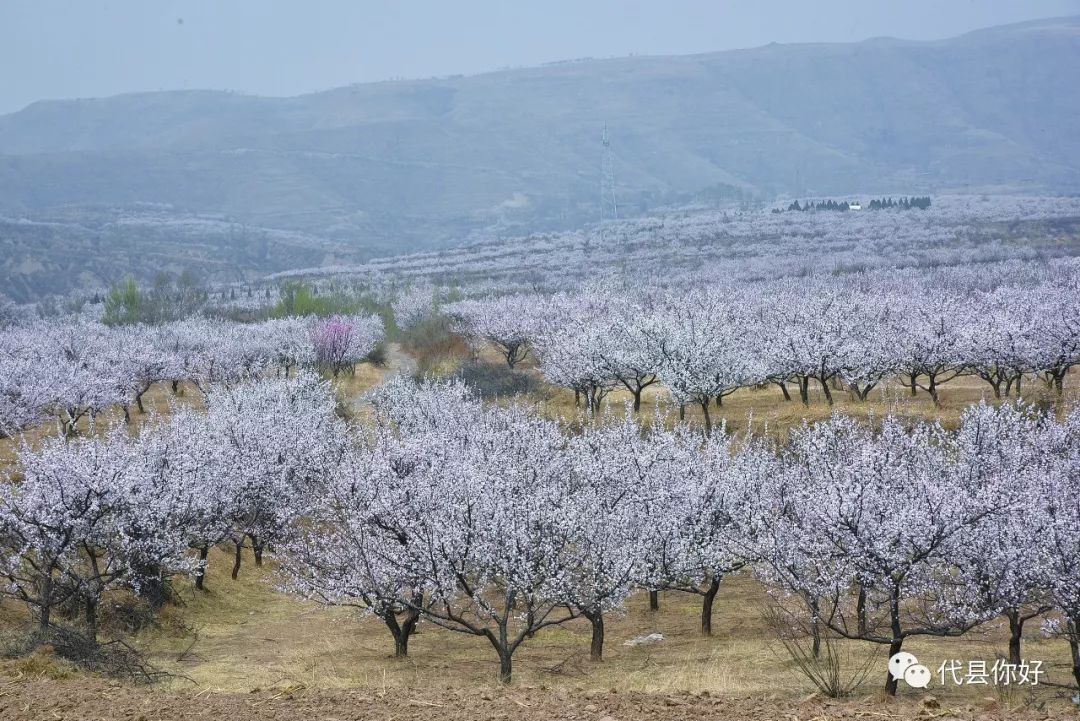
x,y
400,166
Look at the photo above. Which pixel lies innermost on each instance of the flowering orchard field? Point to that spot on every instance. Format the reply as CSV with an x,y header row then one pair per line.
x,y
695,246
499,522
75,369
853,332
435,510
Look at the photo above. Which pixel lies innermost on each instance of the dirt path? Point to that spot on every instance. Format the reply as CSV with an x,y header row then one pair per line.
x,y
398,363
84,700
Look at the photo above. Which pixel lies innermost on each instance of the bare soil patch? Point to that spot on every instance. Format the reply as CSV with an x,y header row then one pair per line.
x,y
85,700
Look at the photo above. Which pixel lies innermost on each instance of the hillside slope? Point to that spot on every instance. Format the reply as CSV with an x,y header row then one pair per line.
x,y
397,166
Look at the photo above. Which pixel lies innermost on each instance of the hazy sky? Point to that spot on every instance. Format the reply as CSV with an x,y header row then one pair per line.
x,y
90,48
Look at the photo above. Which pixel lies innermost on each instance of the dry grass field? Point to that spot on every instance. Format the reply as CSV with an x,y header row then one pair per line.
x,y
245,635
243,649
245,639
764,409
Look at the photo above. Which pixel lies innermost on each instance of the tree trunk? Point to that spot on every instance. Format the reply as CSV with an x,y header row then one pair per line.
x,y
654,600
860,610
1016,633
68,424
804,390
401,631
707,417
257,550
914,382
890,683
506,666
237,559
932,386
90,612
200,574
897,635
596,646
637,401
401,645
828,391
783,388
682,412
1074,649
45,616
408,628
707,605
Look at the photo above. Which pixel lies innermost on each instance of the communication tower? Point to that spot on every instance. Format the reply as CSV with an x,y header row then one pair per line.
x,y
609,206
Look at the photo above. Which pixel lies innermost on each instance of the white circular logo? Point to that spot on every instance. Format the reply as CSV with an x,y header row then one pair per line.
x,y
917,676
900,662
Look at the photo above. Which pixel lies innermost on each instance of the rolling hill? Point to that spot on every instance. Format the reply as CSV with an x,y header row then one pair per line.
x,y
398,166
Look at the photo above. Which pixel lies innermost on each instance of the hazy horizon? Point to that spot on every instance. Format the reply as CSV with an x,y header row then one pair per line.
x,y
274,48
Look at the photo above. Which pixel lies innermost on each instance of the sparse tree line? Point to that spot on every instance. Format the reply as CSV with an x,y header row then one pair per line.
x,y
72,369
852,334
166,300
498,522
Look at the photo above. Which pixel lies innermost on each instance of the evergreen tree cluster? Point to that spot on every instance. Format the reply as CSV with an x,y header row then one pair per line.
x,y
920,202
167,300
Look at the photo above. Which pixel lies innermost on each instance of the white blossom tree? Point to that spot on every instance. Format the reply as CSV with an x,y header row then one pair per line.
x,y
506,322
604,541
931,340
703,354
1058,494
892,520
484,525
86,517
272,439
1001,449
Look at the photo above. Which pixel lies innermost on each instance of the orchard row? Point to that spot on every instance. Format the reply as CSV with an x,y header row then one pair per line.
x,y
856,332
72,369
852,332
